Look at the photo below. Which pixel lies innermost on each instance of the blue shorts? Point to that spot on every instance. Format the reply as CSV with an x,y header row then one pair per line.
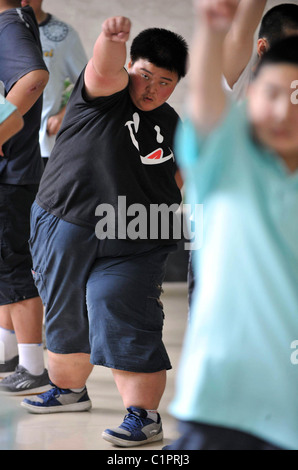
x,y
101,296
16,283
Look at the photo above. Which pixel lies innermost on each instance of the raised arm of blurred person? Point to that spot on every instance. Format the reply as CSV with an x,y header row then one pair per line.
x,y
207,100
239,42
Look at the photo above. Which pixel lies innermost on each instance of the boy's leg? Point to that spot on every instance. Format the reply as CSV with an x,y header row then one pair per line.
x,y
9,357
69,371
63,254
140,390
21,310
68,393
25,318
126,321
5,318
141,394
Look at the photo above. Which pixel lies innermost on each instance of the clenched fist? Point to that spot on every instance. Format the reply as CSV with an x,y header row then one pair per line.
x,y
218,14
117,28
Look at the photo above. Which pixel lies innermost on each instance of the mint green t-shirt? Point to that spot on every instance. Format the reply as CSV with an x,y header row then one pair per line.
x,y
236,368
6,109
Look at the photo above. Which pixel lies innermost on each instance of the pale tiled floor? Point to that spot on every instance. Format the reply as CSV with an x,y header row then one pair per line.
x,y
82,431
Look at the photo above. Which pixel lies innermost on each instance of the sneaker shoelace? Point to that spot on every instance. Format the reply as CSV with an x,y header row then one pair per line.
x,y
132,422
52,393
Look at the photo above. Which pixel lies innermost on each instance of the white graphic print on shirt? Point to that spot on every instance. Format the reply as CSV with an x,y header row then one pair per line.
x,y
157,156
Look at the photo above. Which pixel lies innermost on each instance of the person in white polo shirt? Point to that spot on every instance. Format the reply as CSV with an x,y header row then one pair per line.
x,y
65,58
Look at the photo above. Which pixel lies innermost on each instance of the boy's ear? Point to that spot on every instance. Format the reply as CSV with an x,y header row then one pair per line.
x,y
129,65
262,46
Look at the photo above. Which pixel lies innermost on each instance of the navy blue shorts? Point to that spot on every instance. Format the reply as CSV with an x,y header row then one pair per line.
x,y
201,436
16,283
101,296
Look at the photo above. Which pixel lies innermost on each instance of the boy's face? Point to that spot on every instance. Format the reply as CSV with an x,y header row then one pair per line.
x,y
272,111
150,86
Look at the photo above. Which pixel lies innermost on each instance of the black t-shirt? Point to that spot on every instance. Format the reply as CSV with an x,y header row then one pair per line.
x,y
108,148
21,53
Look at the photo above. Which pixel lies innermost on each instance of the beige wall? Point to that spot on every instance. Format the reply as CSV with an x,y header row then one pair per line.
x,y
87,17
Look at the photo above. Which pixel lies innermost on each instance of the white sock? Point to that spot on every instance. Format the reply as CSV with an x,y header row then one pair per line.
x,y
31,357
9,340
77,390
152,414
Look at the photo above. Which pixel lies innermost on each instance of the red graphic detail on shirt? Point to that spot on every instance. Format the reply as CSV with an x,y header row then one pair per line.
x,y
156,155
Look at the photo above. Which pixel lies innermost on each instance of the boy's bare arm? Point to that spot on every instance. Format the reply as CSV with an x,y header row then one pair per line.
x,y
207,100
105,73
239,43
27,90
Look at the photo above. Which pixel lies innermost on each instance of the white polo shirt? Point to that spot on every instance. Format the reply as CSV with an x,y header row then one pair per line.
x,y
65,58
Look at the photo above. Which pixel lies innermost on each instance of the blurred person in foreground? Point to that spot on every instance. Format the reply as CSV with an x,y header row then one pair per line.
x,y
236,387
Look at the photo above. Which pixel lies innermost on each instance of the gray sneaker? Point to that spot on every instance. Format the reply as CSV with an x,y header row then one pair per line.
x,y
21,382
137,429
8,367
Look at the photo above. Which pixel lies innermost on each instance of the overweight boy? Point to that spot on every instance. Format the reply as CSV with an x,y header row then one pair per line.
x,y
236,387
102,291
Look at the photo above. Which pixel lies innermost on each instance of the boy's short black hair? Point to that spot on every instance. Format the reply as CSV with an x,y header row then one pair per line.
x,y
282,52
277,21
163,48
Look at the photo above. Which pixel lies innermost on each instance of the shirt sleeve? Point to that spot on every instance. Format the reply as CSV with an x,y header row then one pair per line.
x,y
205,158
191,145
19,54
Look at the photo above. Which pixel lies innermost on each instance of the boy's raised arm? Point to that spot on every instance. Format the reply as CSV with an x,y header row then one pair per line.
x,y
207,100
105,73
239,43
